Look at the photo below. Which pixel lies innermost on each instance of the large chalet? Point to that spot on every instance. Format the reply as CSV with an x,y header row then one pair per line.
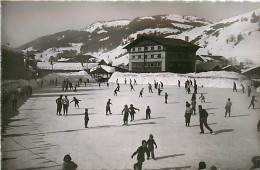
x,y
156,54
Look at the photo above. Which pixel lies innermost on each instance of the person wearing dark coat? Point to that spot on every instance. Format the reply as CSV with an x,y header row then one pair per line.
x,y
179,83
108,107
148,113
203,120
76,101
115,92
166,97
68,164
235,87
140,155
141,93
161,84
252,103
125,111
135,83
132,87
187,115
195,88
193,108
243,88
193,96
258,125
86,118
150,143
59,105
118,87
132,112
159,91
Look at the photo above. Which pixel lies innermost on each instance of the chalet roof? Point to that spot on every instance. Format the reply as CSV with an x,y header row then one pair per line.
x,y
208,66
206,58
252,70
102,69
168,42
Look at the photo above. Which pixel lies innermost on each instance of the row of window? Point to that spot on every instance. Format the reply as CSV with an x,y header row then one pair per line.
x,y
150,64
147,48
150,56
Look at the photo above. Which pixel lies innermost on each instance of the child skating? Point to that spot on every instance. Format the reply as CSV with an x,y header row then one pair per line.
x,y
151,143
228,107
252,103
140,155
86,118
76,101
202,98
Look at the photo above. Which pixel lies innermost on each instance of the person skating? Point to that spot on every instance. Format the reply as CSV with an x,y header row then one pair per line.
x,y
130,81
243,88
68,164
116,80
202,98
118,87
235,87
150,146
252,103
65,103
75,88
161,84
115,92
193,106
166,97
249,90
141,93
258,125
159,91
108,107
125,81
195,88
86,118
71,86
125,112
107,84
150,88
85,83
203,120
135,83
59,105
187,115
179,83
132,112
140,155
76,101
193,97
148,113
132,87
228,107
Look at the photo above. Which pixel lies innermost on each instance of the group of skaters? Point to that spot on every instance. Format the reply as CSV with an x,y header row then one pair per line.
x,y
63,102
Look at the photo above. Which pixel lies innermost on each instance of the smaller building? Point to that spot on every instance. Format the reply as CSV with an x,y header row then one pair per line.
x,y
208,66
252,73
102,72
231,69
222,61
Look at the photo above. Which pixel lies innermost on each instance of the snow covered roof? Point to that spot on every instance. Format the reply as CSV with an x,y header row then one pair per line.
x,y
252,69
169,42
107,69
65,66
209,66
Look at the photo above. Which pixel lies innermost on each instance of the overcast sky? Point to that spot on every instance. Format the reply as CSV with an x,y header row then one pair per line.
x,y
25,21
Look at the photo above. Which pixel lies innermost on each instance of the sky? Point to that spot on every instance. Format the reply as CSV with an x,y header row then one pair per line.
x,y
23,22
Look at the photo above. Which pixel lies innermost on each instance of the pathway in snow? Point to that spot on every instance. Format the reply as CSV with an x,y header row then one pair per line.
x,y
37,138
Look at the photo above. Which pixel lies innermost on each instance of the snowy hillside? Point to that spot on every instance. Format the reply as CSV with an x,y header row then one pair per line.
x,y
234,37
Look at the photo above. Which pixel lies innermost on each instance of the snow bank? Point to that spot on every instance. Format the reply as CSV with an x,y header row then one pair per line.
x,y
71,76
220,79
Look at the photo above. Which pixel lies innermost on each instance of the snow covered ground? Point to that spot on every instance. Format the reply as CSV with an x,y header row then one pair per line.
x,y
218,79
37,138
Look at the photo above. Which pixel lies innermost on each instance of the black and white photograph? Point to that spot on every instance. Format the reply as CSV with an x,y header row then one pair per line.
x,y
152,85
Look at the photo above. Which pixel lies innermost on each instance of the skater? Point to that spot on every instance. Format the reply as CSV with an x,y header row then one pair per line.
x,y
140,155
203,120
125,81
179,83
193,96
235,87
76,101
195,88
252,103
65,102
159,91
86,118
148,113
56,82
85,83
115,92
132,87
193,104
117,81
99,84
141,93
75,88
202,98
249,90
187,115
59,105
202,166
135,83
125,111
68,164
108,107
132,112
166,97
150,142
243,88
14,98
161,84
228,107
150,88
130,81
107,84
188,89
118,87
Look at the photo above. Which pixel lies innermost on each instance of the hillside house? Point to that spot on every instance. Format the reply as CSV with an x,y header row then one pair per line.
x,y
222,61
209,66
155,54
102,72
231,69
252,73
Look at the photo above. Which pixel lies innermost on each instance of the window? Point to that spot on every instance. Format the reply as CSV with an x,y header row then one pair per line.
x,y
139,48
133,49
133,64
152,64
133,57
152,56
145,48
139,57
159,56
145,56
139,64
159,47
146,64
159,64
152,48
